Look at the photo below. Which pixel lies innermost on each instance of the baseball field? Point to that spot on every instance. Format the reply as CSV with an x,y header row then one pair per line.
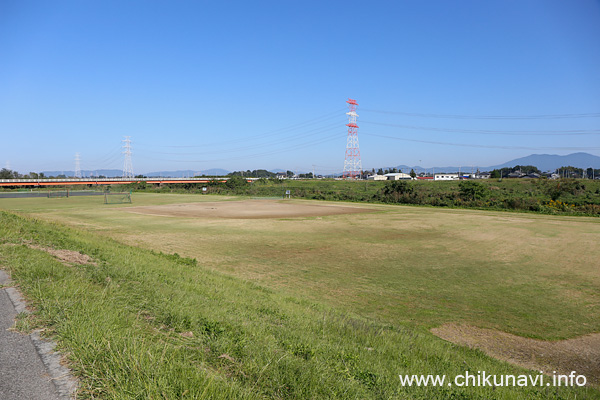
x,y
228,297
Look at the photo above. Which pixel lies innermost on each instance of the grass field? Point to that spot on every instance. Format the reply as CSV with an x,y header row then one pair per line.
x,y
409,268
544,196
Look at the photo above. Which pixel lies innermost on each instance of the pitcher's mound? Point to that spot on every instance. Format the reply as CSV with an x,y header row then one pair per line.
x,y
248,209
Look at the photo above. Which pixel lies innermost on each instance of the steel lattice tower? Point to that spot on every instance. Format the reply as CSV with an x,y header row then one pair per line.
x,y
352,163
127,165
77,166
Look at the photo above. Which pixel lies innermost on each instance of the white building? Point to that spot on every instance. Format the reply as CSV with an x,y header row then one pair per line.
x,y
377,178
445,177
397,176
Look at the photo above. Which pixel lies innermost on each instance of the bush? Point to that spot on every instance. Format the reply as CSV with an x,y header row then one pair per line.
x,y
472,190
397,192
236,182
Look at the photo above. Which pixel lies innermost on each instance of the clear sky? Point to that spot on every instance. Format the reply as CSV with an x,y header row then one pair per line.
x,y
257,84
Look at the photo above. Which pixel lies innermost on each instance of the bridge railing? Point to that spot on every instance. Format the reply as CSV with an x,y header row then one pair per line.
x,y
109,179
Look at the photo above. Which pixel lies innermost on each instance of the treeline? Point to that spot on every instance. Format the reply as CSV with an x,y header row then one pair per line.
x,y
563,172
263,173
6,173
562,196
524,169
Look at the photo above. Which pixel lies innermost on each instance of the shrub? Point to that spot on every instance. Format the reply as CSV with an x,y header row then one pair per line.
x,y
472,190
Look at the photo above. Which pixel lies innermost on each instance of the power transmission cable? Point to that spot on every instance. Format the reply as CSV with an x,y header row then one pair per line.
x,y
254,138
456,116
328,139
481,145
109,162
278,151
111,157
572,132
315,131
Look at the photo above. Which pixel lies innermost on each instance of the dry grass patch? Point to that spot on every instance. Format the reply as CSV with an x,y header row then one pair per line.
x,y
67,257
248,209
581,354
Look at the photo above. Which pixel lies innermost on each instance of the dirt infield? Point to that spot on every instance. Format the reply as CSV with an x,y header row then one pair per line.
x,y
580,354
248,209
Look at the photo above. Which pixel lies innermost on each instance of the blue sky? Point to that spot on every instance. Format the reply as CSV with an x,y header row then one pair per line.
x,y
246,85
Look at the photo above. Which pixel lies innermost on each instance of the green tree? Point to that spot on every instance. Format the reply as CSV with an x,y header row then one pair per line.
x,y
589,173
380,171
526,169
8,174
570,172
413,174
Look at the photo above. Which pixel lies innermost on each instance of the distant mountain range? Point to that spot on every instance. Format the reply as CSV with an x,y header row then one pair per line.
x,y
550,162
545,162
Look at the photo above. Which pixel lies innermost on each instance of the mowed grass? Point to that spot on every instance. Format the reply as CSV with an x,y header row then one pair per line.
x,y
137,324
531,275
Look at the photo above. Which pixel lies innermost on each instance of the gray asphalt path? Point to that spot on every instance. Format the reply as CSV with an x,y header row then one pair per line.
x,y
23,374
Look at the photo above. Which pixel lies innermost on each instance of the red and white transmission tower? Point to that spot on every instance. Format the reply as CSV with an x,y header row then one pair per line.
x,y
352,163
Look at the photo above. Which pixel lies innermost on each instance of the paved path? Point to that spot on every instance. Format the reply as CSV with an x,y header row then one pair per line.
x,y
29,370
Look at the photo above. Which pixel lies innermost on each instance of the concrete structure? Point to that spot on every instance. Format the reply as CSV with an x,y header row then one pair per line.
x,y
445,177
397,176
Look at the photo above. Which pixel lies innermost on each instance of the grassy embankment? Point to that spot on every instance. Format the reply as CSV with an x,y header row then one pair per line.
x,y
137,324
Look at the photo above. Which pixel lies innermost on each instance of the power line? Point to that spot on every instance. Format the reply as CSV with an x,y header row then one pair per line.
x,y
254,138
482,145
456,116
312,132
572,132
295,147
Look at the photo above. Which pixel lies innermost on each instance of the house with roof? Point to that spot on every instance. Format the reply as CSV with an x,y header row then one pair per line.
x,y
397,176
